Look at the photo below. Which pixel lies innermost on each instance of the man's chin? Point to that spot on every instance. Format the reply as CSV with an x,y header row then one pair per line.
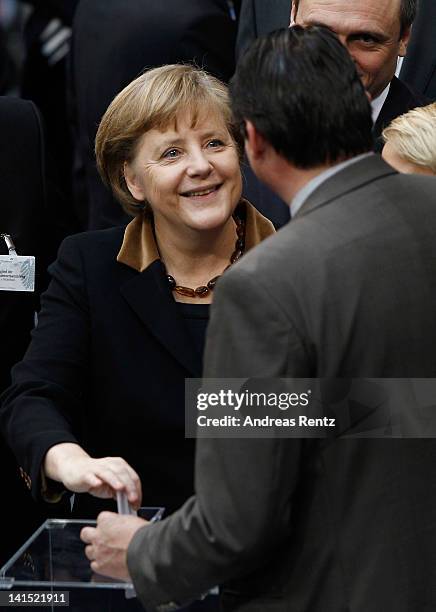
x,y
371,93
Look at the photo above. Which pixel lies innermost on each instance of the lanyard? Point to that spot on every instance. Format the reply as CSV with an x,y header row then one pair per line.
x,y
9,244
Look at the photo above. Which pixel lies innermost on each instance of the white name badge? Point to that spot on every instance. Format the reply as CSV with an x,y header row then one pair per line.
x,y
17,273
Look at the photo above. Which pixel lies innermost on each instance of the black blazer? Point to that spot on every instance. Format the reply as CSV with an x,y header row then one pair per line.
x,y
106,368
107,365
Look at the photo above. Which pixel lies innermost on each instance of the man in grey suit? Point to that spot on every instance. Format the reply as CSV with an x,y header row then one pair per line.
x,y
346,289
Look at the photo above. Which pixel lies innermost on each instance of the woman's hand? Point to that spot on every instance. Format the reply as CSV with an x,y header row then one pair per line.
x,y
70,464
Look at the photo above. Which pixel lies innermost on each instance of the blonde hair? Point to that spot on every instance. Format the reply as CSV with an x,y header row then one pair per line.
x,y
154,100
413,136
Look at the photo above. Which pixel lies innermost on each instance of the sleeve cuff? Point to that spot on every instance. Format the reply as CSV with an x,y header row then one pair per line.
x,y
152,597
51,491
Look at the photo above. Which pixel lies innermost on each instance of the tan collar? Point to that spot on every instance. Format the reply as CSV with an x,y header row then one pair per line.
x,y
139,247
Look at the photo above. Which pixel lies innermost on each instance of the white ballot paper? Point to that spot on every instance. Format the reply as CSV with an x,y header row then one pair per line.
x,y
123,505
125,508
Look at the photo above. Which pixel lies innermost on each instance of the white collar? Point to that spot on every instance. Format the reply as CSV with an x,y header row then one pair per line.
x,y
378,102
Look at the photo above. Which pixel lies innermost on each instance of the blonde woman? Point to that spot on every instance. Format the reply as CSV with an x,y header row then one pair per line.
x,y
411,141
97,405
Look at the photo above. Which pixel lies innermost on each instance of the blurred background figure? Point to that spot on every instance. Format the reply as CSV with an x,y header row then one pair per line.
x,y
258,18
26,215
411,141
113,42
9,44
419,66
35,190
34,56
43,79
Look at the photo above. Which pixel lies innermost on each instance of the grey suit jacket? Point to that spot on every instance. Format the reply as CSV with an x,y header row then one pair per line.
x,y
346,289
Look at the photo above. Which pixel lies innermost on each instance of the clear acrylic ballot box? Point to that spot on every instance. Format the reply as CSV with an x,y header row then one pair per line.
x,y
53,561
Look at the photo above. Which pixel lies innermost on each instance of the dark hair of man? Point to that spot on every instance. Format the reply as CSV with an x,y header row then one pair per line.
x,y
301,91
408,10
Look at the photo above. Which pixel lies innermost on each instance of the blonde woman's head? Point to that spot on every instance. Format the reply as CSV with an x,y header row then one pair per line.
x,y
157,99
411,141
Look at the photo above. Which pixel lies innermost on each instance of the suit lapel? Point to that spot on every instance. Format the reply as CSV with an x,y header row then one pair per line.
x,y
349,179
400,100
396,103
148,294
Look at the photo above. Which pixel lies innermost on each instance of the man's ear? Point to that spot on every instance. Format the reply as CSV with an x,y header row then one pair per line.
x,y
255,143
133,185
404,41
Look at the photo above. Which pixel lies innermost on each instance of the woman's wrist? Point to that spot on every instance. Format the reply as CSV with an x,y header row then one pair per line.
x,y
59,456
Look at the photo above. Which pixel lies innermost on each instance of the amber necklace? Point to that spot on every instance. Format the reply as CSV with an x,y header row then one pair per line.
x,y
204,290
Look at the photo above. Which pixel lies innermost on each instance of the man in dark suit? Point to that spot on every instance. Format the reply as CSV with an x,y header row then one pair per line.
x,y
375,32
347,289
419,66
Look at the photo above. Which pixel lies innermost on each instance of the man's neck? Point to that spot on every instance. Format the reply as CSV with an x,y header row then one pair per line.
x,y
288,180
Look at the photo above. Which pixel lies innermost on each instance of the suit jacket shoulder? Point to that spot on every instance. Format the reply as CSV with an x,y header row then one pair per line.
x,y
107,242
358,235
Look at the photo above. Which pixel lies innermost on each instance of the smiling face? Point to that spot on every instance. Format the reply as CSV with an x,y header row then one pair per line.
x,y
370,29
189,174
